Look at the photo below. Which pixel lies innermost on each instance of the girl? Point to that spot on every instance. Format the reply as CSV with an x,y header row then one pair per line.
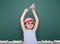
x,y
29,28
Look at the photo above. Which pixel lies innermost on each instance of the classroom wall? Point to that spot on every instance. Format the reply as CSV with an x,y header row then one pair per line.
x,y
48,12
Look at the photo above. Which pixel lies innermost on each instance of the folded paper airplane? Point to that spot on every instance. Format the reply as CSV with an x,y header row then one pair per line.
x,y
32,6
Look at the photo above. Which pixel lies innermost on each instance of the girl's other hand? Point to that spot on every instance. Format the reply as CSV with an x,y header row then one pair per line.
x,y
26,10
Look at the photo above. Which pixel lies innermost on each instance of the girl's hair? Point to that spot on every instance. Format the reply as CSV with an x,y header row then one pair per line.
x,y
28,19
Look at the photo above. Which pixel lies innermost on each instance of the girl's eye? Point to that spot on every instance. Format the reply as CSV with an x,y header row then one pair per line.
x,y
31,23
28,23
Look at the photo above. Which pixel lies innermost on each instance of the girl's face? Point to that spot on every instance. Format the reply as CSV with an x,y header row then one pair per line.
x,y
29,25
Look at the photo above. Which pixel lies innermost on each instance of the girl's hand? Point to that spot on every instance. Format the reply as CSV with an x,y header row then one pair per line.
x,y
33,9
26,10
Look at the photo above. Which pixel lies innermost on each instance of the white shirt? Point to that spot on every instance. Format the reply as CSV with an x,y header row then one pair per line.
x,y
29,37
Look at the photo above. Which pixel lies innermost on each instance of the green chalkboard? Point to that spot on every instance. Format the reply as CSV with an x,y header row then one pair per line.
x,y
48,12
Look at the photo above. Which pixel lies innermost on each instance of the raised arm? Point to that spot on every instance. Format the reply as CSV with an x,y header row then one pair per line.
x,y
22,18
36,19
